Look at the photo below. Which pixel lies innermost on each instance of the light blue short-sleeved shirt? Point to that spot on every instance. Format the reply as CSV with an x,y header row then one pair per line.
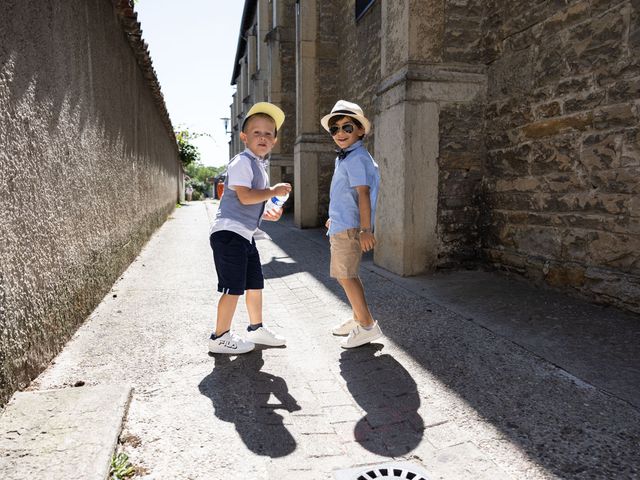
x,y
357,169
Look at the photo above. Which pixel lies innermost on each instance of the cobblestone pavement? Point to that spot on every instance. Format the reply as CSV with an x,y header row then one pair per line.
x,y
439,390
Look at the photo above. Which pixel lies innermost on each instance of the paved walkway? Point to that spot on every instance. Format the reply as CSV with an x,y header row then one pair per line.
x,y
465,385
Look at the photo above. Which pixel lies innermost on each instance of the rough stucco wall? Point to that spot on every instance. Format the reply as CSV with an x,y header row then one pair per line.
x,y
564,144
88,171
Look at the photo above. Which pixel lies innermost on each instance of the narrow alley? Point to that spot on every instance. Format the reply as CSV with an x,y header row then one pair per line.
x,y
460,386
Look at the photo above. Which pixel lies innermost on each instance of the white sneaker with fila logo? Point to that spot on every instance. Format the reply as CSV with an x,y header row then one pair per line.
x,y
231,344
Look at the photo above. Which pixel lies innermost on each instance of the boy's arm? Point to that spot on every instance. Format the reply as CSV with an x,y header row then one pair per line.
x,y
248,196
367,240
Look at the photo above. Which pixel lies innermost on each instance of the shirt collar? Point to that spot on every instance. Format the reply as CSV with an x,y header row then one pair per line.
x,y
264,161
342,153
251,154
354,146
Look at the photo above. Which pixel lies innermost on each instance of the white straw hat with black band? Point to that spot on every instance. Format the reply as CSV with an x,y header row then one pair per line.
x,y
342,108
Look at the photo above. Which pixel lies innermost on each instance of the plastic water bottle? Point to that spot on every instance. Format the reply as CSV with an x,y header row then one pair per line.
x,y
275,202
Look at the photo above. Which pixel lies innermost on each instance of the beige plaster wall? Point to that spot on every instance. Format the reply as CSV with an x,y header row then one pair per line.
x,y
88,170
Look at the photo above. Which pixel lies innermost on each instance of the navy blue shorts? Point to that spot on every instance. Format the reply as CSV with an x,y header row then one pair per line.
x,y
237,263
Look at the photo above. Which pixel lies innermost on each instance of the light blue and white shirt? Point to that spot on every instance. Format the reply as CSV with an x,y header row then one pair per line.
x,y
358,168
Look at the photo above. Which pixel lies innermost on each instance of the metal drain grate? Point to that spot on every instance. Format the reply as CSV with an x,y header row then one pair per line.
x,y
388,471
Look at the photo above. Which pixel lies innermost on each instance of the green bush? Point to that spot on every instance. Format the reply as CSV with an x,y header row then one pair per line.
x,y
199,177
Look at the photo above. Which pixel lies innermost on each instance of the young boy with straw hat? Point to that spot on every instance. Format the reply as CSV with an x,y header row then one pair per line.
x,y
352,206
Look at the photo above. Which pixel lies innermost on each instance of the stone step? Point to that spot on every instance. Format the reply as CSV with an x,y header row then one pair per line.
x,y
62,434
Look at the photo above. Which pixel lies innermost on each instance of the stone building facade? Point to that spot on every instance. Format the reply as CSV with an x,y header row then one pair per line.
x,y
506,131
264,71
89,169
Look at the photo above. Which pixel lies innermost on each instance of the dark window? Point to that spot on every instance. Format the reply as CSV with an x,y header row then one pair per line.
x,y
362,6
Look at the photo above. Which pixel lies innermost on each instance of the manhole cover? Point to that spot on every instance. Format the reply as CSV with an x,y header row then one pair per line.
x,y
388,471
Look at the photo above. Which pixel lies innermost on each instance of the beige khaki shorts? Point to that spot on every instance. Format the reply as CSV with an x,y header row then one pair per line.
x,y
345,254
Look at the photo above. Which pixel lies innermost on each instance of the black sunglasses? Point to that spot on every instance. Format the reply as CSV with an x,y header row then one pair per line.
x,y
347,128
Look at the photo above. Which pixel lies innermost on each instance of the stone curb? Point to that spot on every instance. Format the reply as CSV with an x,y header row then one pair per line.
x,y
62,434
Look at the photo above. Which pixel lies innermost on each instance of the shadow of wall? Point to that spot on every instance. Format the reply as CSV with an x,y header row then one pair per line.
x,y
87,172
560,424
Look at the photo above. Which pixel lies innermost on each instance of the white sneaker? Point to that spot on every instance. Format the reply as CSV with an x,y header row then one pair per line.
x,y
345,327
360,336
231,344
264,336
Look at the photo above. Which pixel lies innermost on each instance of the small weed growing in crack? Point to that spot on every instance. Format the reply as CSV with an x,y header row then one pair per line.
x,y
121,468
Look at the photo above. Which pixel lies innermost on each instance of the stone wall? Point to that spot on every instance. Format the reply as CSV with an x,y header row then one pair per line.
x,y
350,70
430,128
563,143
461,141
286,35
460,193
88,169
280,82
506,131
269,45
357,48
288,103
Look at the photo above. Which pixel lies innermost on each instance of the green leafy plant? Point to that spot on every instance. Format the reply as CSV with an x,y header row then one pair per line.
x,y
188,152
121,468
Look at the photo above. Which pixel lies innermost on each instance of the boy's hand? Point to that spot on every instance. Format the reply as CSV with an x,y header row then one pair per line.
x,y
280,189
367,241
327,224
273,215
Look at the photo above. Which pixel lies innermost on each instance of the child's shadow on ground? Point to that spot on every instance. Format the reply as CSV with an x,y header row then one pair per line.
x,y
240,393
383,388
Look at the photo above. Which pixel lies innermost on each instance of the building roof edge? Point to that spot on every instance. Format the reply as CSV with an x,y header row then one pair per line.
x,y
247,17
129,21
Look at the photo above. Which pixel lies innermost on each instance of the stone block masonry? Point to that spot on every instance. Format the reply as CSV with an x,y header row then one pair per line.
x,y
563,145
88,169
506,132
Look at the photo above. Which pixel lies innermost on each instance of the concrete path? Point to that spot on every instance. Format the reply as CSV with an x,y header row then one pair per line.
x,y
461,387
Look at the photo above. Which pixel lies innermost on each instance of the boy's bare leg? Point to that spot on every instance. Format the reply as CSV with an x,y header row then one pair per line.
x,y
259,335
355,293
226,309
254,306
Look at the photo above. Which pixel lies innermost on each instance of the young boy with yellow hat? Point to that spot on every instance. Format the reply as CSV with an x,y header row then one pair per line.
x,y
352,206
241,210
